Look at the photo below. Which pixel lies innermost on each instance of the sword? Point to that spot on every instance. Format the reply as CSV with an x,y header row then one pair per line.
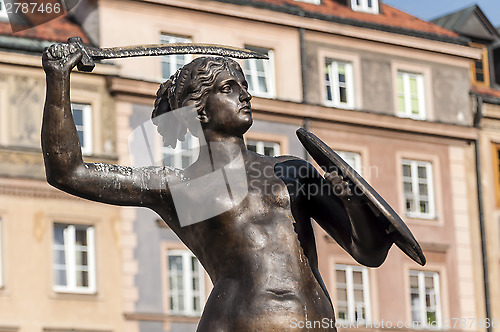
x,y
91,54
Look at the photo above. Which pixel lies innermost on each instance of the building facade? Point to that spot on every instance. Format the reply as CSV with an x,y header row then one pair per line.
x,y
473,24
388,92
60,257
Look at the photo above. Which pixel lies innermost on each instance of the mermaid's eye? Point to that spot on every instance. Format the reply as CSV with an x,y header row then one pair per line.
x,y
226,88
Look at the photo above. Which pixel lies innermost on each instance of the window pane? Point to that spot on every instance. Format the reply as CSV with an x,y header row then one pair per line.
x,y
400,84
82,279
59,234
60,277
82,258
269,151
357,278
407,170
358,295
413,86
165,69
401,103
81,237
262,84
78,116
422,172
341,294
340,274
175,263
252,147
343,95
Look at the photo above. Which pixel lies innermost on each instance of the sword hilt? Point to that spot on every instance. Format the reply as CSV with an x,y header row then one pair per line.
x,y
86,63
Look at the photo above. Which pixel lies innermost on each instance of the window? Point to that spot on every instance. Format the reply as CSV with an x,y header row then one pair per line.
x,y
353,294
425,299
480,68
184,154
170,63
368,6
270,149
3,10
186,283
353,159
418,189
82,115
260,73
339,84
410,93
496,171
74,258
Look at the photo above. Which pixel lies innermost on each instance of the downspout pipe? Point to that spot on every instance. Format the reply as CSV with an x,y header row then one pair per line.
x,y
303,68
479,174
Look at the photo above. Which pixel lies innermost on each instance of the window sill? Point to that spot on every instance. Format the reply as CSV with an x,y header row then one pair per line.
x,y
406,116
262,95
341,106
67,295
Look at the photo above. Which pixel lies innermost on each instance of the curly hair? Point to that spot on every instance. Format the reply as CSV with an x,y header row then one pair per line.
x,y
191,82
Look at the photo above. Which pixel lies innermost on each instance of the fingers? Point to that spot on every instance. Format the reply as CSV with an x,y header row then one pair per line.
x,y
340,187
61,57
60,51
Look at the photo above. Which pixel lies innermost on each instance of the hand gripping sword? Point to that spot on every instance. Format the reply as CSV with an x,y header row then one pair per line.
x,y
91,54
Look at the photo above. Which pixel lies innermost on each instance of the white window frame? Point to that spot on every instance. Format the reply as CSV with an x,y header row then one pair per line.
x,y
176,154
187,284
260,145
1,254
415,195
364,6
351,305
331,67
406,93
422,309
3,11
70,248
354,156
86,128
172,60
269,75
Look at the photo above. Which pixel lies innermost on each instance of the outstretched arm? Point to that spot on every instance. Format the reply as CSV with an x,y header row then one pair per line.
x,y
64,165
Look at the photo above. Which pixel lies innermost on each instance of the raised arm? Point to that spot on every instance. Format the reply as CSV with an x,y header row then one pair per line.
x,y
64,166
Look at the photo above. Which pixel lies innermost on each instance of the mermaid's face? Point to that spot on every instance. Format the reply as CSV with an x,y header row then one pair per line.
x,y
227,105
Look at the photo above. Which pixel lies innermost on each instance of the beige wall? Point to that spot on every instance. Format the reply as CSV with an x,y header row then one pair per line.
x,y
28,210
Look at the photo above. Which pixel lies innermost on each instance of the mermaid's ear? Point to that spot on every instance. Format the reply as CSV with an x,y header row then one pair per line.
x,y
202,116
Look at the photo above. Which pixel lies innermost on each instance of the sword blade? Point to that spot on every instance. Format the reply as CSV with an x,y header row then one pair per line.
x,y
167,49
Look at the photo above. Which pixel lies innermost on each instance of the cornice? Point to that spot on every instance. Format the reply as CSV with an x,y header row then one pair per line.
x,y
127,89
294,21
32,189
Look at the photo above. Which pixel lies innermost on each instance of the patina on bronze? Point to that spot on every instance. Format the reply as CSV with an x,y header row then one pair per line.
x,y
261,253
